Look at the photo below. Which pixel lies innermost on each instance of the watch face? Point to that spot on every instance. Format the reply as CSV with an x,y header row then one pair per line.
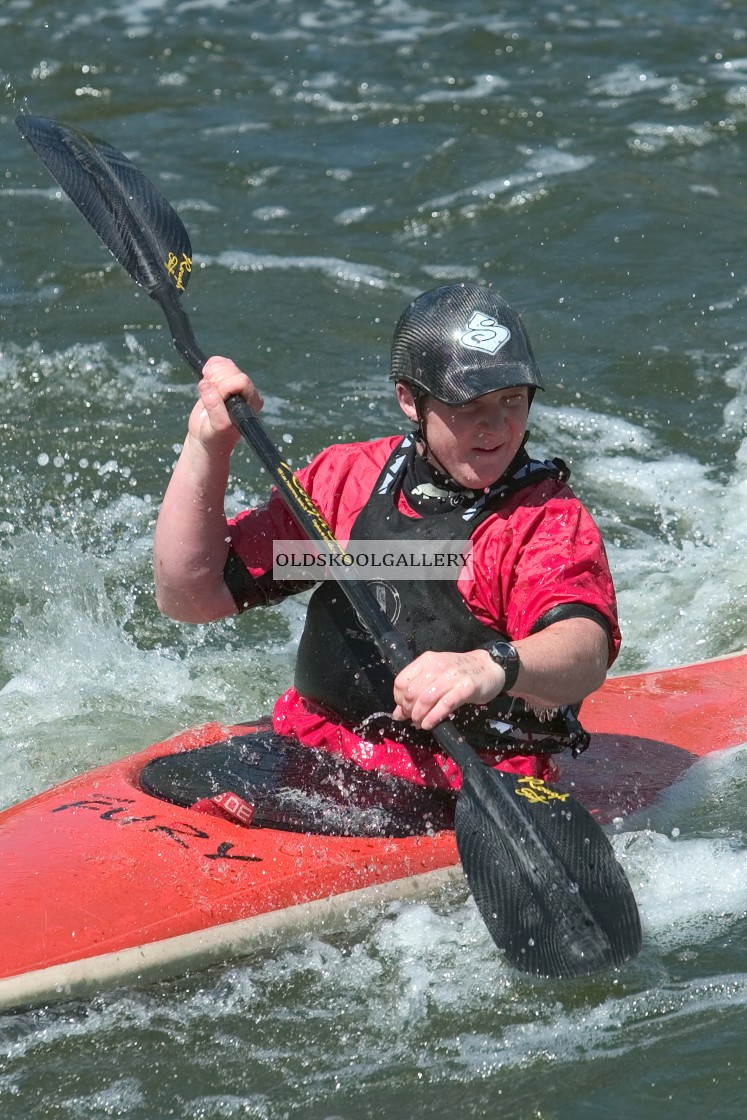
x,y
503,653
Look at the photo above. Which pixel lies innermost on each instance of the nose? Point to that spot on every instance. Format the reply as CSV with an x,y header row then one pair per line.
x,y
493,416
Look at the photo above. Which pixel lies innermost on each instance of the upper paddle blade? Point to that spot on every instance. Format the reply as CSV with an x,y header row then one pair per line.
x,y
548,886
134,221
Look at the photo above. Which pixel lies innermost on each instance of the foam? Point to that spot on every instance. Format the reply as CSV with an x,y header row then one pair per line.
x,y
668,524
542,164
611,1028
337,269
628,80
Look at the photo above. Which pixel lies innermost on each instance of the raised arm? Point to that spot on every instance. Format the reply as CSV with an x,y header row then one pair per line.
x,y
191,538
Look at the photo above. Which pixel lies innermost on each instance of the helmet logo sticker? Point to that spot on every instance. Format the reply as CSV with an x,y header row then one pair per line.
x,y
485,333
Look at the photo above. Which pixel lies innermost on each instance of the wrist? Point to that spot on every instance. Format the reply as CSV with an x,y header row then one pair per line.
x,y
211,454
494,673
505,655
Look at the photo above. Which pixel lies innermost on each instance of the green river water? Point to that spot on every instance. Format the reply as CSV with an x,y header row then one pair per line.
x,y
331,160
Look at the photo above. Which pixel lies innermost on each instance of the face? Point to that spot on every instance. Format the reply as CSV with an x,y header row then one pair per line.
x,y
475,442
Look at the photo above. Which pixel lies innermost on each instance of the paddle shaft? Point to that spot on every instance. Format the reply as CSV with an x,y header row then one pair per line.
x,y
310,521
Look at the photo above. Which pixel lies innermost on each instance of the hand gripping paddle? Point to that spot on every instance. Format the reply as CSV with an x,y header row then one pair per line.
x,y
542,871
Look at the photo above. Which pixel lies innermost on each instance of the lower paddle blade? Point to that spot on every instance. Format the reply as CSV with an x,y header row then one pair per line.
x,y
135,222
544,876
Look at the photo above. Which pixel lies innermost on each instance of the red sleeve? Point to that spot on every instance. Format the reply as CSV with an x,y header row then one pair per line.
x,y
339,480
544,550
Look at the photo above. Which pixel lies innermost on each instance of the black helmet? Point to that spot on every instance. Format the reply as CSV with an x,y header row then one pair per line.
x,y
461,341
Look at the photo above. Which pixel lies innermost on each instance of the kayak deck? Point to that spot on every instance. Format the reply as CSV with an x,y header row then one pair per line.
x,y
106,883
648,728
96,866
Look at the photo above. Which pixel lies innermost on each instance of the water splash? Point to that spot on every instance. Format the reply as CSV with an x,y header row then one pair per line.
x,y
668,524
10,92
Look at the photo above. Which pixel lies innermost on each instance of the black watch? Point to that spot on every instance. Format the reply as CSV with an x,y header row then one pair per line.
x,y
507,656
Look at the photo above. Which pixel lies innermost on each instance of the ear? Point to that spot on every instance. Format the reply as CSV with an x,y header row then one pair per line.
x,y
406,401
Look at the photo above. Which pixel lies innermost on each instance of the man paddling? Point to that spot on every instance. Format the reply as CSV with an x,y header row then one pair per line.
x,y
509,647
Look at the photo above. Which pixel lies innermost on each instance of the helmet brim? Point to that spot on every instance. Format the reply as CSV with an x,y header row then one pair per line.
x,y
469,383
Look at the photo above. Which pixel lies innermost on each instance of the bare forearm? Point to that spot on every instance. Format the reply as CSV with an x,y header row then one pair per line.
x,y
191,542
191,539
559,666
563,664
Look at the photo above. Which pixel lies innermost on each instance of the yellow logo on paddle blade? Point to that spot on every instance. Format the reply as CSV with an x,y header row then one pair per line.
x,y
177,267
538,792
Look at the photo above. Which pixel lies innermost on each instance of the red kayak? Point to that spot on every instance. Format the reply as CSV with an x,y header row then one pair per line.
x,y
152,865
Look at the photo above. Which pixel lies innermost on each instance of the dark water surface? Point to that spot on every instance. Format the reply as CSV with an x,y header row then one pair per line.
x,y
331,160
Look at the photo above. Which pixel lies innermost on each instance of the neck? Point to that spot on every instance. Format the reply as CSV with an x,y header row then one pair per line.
x,y
435,464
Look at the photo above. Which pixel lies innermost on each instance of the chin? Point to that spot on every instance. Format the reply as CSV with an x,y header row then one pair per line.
x,y
477,479
473,481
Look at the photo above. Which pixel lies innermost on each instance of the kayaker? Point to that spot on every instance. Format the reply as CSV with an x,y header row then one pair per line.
x,y
508,650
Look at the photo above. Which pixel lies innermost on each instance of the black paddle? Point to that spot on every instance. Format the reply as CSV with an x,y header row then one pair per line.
x,y
542,871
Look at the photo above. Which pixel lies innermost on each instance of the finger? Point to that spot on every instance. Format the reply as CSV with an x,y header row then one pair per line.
x,y
214,406
415,676
426,701
226,376
442,699
404,679
443,709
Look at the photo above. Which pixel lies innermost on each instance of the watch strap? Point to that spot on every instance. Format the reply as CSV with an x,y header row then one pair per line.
x,y
507,656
